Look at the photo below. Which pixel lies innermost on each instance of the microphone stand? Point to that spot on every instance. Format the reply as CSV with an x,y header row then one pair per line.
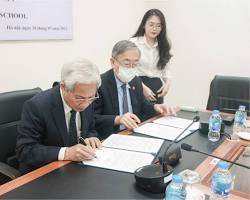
x,y
189,148
164,162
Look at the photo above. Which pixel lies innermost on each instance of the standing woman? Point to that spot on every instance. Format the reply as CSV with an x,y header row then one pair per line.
x,y
151,39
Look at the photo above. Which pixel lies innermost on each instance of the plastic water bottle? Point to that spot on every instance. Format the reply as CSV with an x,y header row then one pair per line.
x,y
176,190
221,182
239,119
214,126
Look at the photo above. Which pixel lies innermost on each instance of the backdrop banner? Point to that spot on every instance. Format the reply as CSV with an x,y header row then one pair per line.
x,y
35,19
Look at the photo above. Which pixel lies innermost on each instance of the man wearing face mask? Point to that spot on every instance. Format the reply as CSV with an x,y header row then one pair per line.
x,y
121,102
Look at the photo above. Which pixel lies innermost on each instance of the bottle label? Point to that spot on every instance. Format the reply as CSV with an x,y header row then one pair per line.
x,y
221,187
240,118
215,126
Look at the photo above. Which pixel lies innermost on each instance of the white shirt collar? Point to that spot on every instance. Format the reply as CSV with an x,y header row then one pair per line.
x,y
66,108
143,40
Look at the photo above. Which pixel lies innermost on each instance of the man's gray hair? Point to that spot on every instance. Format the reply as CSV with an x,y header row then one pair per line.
x,y
80,71
122,46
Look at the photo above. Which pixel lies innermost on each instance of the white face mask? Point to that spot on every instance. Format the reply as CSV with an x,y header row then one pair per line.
x,y
126,74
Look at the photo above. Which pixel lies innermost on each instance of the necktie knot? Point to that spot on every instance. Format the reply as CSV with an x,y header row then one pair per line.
x,y
124,86
73,112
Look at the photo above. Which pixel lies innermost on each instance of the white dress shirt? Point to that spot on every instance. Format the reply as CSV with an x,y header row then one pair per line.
x,y
149,59
67,113
120,99
120,96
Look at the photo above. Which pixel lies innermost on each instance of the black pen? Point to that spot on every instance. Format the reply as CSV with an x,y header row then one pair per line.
x,y
81,141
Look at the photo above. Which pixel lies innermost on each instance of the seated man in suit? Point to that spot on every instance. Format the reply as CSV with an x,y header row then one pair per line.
x,y
121,102
53,121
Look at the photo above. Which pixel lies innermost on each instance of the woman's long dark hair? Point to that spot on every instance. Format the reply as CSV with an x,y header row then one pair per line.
x,y
163,43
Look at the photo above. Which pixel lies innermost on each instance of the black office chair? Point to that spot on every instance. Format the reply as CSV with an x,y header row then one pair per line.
x,y
55,83
228,92
11,104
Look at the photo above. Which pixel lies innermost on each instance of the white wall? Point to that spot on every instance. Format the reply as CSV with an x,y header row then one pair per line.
x,y
208,37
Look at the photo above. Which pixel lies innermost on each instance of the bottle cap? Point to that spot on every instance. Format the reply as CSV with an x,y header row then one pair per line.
x,y
216,111
223,165
177,179
241,107
190,176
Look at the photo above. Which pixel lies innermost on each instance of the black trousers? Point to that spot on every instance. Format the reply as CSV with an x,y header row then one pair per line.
x,y
154,84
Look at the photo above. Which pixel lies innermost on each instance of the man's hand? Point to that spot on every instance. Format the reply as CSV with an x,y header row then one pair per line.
x,y
93,142
166,110
148,93
79,152
129,120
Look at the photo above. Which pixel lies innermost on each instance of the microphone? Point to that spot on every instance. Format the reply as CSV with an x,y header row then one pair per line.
x,y
195,119
154,178
188,147
173,157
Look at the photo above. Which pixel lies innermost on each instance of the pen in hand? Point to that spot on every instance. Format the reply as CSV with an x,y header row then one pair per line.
x,y
81,141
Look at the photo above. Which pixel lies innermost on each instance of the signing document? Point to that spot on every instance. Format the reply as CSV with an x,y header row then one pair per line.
x,y
126,153
167,128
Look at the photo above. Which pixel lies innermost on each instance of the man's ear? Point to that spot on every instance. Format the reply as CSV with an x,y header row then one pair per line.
x,y
115,67
112,61
63,86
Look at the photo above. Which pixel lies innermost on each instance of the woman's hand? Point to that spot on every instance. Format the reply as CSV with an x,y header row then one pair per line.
x,y
164,89
148,93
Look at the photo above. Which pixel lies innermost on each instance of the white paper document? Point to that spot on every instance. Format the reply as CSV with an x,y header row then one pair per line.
x,y
163,131
120,160
173,121
133,143
126,153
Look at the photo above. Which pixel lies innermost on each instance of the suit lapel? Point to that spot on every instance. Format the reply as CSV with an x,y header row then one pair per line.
x,y
59,115
112,89
133,97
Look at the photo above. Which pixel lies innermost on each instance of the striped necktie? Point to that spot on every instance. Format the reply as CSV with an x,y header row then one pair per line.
x,y
72,128
124,99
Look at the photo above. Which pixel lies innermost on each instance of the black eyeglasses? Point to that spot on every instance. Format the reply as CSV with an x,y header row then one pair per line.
x,y
154,26
128,64
84,99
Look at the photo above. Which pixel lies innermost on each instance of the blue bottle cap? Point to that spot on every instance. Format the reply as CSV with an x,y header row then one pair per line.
x,y
177,179
241,107
223,165
216,111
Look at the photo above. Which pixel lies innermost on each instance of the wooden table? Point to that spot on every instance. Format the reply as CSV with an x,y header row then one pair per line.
x,y
228,150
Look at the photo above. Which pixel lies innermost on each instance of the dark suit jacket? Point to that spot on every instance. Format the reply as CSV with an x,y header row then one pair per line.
x,y
107,106
43,130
